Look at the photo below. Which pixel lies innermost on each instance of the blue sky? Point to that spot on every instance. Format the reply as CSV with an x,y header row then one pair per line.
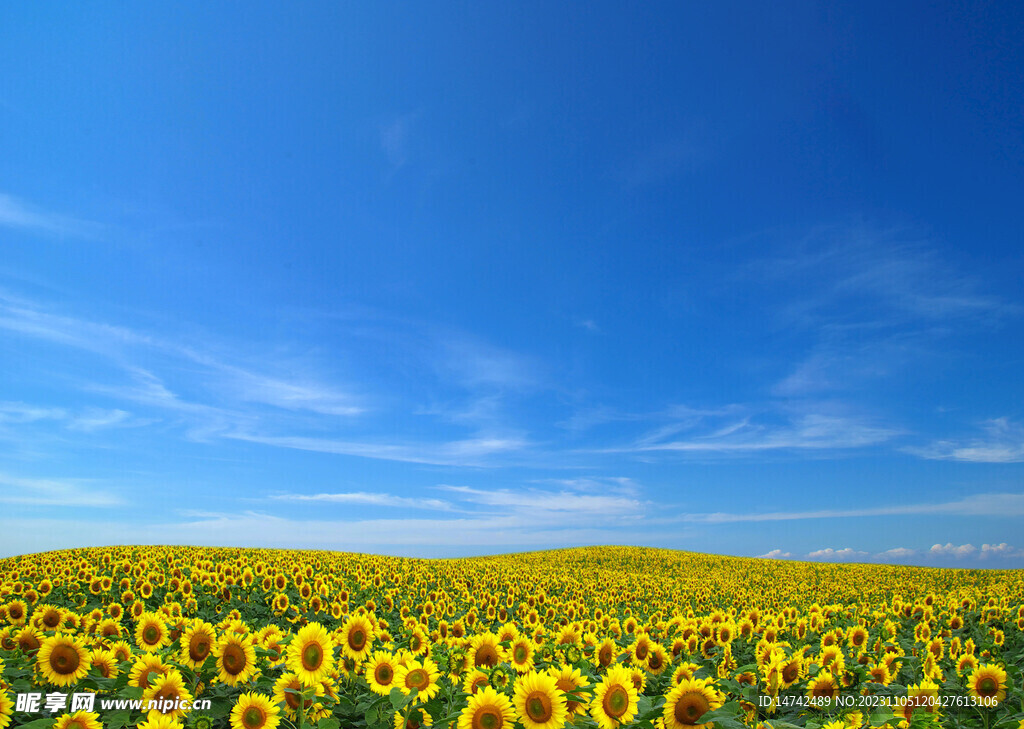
x,y
437,279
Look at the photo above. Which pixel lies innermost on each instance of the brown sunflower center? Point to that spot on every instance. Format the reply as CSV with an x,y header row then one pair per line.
x,y
790,672
486,656
233,658
690,707
538,706
567,686
253,717
383,674
417,679
487,717
51,619
198,647
605,655
987,686
151,635
357,639
616,701
520,653
312,656
823,689
64,660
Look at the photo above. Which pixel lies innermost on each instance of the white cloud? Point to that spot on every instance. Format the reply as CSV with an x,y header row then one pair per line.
x,y
836,554
553,505
775,554
1000,550
897,553
963,550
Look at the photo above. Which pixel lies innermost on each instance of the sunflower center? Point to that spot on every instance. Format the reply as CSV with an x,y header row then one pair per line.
x,y
383,674
987,686
616,701
605,656
198,647
64,660
417,679
51,620
234,659
520,653
641,651
689,708
312,657
486,656
790,673
357,639
253,717
487,717
538,706
150,635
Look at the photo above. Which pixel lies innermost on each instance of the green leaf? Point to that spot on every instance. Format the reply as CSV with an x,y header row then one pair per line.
x,y
328,722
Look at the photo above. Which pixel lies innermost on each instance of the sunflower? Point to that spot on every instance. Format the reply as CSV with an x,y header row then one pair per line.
x,y
605,653
310,654
380,672
6,709
146,668
487,709
63,660
357,636
880,673
539,701
17,611
28,640
688,702
236,658
283,694
108,628
156,720
569,680
417,719
987,684
164,690
485,650
254,711
197,643
520,653
966,662
49,617
421,676
474,681
822,689
615,698
105,663
151,632
78,720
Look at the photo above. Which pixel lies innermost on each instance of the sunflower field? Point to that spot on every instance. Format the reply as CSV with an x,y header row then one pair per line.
x,y
595,638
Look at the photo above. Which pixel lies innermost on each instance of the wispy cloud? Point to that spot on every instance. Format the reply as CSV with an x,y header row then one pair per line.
x,y
941,553
52,492
1003,505
775,554
365,498
16,213
395,136
551,505
468,452
739,433
1002,442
